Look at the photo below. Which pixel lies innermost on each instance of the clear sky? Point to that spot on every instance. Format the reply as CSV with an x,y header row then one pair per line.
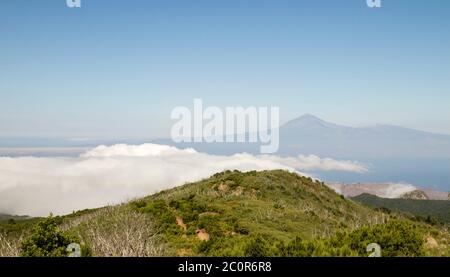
x,y
116,68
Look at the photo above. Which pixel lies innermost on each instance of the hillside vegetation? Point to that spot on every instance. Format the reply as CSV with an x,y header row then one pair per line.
x,y
430,209
268,213
12,218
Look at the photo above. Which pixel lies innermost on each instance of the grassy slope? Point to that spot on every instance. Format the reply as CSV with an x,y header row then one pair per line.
x,y
438,209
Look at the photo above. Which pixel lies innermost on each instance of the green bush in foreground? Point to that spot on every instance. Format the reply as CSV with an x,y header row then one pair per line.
x,y
46,240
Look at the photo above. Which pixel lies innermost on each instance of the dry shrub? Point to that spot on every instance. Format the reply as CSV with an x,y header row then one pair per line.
x,y
121,232
9,246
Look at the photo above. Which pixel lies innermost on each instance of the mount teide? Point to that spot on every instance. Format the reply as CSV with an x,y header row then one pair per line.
x,y
311,135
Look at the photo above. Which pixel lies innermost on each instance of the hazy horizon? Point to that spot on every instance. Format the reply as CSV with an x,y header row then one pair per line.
x,y
79,139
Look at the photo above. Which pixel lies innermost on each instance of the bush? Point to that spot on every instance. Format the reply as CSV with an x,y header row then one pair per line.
x,y
121,232
46,240
257,247
396,238
297,248
160,211
9,245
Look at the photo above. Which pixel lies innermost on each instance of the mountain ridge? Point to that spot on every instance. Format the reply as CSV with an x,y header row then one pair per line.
x,y
431,210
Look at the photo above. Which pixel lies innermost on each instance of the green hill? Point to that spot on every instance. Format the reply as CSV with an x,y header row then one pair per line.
x,y
268,213
435,209
233,206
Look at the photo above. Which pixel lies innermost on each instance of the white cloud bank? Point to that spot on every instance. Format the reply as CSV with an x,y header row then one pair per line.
x,y
384,190
105,175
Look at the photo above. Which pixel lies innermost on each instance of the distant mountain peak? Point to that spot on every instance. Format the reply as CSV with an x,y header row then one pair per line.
x,y
309,120
307,117
416,195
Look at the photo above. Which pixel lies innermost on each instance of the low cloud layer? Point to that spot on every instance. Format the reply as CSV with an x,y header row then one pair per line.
x,y
385,190
105,175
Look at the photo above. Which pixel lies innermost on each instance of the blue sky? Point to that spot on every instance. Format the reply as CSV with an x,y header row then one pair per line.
x,y
117,68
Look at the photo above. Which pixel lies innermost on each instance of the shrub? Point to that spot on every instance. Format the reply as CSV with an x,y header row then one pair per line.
x,y
160,211
257,247
121,232
297,248
46,240
396,238
9,245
